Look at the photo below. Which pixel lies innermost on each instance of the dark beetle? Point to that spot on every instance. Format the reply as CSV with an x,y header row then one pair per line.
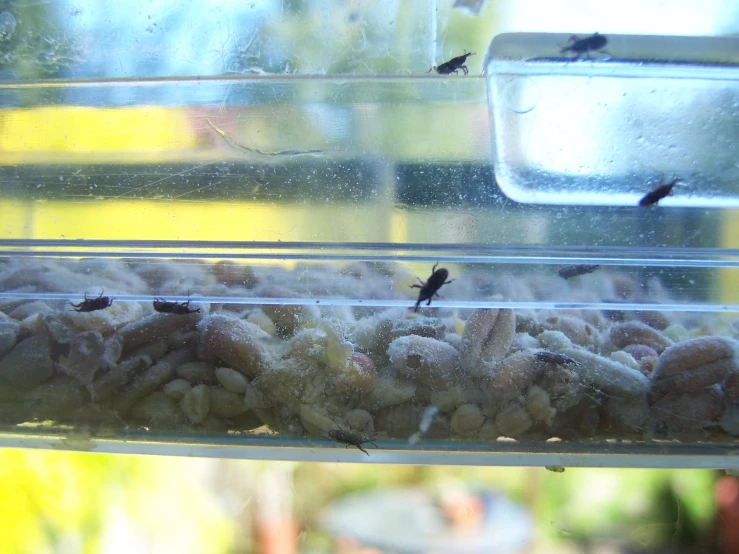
x,y
179,308
431,286
567,271
350,438
664,189
555,358
614,315
453,65
93,304
582,46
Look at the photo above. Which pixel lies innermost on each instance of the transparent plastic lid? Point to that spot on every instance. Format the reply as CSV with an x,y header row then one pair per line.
x,y
605,120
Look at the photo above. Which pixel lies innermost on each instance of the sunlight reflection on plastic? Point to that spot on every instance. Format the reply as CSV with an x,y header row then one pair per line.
x,y
521,95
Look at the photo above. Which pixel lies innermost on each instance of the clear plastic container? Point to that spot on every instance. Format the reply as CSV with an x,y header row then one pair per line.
x,y
294,216
582,123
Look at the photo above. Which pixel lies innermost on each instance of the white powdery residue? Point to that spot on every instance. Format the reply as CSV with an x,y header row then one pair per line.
x,y
315,351
423,427
412,345
427,419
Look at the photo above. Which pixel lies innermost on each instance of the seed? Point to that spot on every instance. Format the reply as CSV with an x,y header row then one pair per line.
x,y
508,378
231,379
85,356
429,361
387,392
150,328
636,332
196,404
158,410
487,337
467,419
316,421
177,389
146,383
225,404
695,364
29,363
197,373
680,412
234,341
577,330
513,420
360,420
538,405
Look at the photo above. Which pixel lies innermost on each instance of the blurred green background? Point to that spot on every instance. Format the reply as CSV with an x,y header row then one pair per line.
x,y
84,502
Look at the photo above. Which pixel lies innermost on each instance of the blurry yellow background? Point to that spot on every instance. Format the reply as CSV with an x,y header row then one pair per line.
x,y
84,502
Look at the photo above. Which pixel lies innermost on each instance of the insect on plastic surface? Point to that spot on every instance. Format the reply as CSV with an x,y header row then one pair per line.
x,y
568,271
351,438
582,46
178,308
664,189
555,358
430,288
453,65
93,304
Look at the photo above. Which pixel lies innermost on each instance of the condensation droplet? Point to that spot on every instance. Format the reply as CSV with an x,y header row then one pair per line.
x,y
7,25
521,95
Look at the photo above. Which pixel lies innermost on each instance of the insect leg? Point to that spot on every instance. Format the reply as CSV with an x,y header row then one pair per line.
x,y
433,269
362,449
464,68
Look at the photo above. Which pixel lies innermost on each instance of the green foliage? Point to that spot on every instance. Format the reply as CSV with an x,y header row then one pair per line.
x,y
52,500
646,508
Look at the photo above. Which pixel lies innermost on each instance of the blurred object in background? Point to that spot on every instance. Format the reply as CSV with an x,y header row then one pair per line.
x,y
275,528
726,493
415,520
110,504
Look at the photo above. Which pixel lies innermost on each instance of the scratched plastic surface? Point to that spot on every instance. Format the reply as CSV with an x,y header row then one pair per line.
x,y
605,127
295,213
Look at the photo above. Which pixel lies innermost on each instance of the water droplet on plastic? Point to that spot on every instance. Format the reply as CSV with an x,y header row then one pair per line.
x,y
521,95
7,25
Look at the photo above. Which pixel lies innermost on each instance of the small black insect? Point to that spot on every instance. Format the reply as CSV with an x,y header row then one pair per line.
x,y
431,286
453,65
664,189
351,438
580,46
567,271
614,315
93,304
555,358
179,308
